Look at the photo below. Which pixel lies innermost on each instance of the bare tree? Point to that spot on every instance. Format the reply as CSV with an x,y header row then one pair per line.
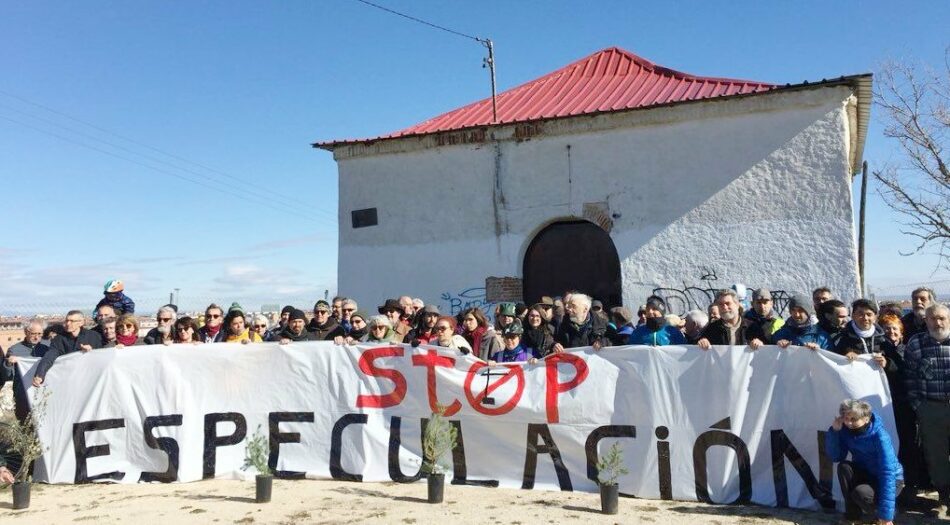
x,y
916,105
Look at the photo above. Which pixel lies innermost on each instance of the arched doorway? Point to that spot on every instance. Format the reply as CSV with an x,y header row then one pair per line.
x,y
572,255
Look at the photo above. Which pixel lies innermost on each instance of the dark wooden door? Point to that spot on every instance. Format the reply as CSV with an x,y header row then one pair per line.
x,y
572,255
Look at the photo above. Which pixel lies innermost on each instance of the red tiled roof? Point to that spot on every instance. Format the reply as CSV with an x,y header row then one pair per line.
x,y
609,80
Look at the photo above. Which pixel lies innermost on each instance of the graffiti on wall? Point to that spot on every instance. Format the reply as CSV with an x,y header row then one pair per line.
x,y
699,297
454,303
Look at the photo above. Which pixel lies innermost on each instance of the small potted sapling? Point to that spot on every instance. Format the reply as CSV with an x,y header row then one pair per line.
x,y
438,440
23,440
255,455
609,469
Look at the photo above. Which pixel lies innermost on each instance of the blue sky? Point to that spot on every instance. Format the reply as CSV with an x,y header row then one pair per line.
x,y
167,143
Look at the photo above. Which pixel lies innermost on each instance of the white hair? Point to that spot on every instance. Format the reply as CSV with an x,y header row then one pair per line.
x,y
581,299
259,317
856,407
168,310
418,303
697,316
932,309
351,301
36,321
377,320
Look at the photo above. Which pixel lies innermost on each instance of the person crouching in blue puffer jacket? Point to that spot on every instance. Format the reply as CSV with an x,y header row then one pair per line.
x,y
656,332
873,475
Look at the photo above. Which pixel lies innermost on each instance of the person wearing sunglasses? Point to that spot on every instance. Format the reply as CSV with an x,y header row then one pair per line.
x,y
127,331
214,319
259,326
323,327
380,330
347,309
296,328
186,331
166,321
358,333
446,337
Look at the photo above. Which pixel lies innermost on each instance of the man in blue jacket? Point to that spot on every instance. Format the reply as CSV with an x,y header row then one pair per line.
x,y
656,332
872,479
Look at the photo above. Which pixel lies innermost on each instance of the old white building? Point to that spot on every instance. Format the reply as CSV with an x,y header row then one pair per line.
x,y
612,175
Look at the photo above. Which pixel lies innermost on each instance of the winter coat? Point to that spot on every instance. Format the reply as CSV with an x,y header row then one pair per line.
x,y
325,332
205,337
665,336
619,336
592,331
304,335
802,335
24,349
895,369
154,337
246,335
517,354
873,452
912,325
766,326
456,343
850,341
122,304
717,332
539,340
487,340
419,334
66,344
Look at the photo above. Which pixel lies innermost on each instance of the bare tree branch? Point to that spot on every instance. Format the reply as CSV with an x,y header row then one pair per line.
x,y
916,107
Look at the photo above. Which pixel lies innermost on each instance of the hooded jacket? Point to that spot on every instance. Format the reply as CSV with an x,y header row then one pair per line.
x,y
766,326
849,341
802,335
664,336
872,451
121,303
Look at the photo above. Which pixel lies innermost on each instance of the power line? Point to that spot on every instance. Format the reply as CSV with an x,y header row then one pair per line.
x,y
421,21
305,206
159,170
488,61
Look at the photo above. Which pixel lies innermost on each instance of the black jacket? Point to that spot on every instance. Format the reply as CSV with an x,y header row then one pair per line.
x,y
205,337
285,333
718,333
153,337
894,370
325,332
540,340
912,325
66,344
849,341
573,336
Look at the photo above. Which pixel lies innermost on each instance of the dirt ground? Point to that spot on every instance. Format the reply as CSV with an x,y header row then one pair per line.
x,y
332,502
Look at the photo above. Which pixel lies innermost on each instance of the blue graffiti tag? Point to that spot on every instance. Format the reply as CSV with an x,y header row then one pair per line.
x,y
455,303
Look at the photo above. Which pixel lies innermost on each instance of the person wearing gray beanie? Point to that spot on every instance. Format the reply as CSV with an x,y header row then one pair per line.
x,y
799,328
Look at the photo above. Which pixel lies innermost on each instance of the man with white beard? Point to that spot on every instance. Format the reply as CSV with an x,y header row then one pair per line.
x,y
731,328
166,317
927,375
579,327
920,299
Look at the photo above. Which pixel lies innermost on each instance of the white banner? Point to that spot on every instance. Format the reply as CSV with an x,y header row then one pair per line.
x,y
725,425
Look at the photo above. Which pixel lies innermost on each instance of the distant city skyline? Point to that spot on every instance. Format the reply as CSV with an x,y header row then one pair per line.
x,y
168,145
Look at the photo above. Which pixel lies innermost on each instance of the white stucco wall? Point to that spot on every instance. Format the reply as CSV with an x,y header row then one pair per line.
x,y
756,189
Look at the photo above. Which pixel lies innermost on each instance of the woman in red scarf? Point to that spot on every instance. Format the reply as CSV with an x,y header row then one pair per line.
x,y
127,331
479,334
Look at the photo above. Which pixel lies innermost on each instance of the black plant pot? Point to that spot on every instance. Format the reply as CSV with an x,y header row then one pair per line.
x,y
609,496
21,495
264,485
436,487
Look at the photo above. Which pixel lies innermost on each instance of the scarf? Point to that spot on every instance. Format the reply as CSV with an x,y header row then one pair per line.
x,y
126,340
357,334
474,337
533,337
863,334
212,330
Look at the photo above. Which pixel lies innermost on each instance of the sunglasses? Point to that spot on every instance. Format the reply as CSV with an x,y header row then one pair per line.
x,y
213,316
184,328
164,319
349,309
379,327
441,328
260,326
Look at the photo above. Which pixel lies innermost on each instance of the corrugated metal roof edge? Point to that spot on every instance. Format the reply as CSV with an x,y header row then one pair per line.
x,y
860,82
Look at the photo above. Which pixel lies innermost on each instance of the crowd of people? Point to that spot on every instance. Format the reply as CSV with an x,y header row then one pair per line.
x,y
912,349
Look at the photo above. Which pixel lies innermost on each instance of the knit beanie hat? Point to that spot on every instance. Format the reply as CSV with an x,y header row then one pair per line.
x,y
800,300
297,313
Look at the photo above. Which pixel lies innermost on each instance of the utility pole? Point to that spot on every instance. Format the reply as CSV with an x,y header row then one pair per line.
x,y
176,297
490,62
864,196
